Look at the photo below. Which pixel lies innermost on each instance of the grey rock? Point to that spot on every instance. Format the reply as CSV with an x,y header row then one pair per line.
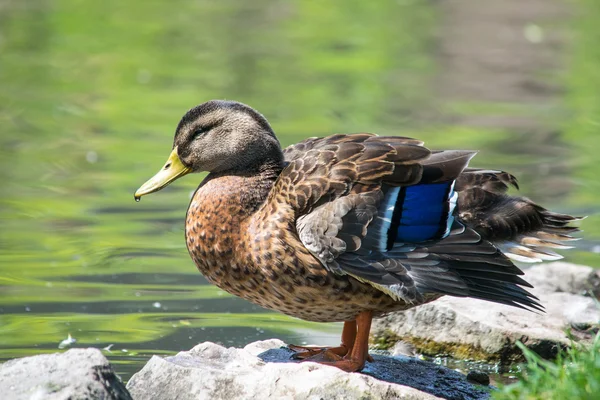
x,y
73,375
468,328
265,370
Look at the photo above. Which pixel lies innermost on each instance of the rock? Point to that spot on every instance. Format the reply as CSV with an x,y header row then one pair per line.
x,y
474,329
75,374
257,348
264,370
478,377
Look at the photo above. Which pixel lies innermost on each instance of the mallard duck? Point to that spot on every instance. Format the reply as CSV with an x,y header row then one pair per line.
x,y
350,227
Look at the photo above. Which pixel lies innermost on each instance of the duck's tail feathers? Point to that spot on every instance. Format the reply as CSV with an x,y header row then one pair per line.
x,y
539,245
522,229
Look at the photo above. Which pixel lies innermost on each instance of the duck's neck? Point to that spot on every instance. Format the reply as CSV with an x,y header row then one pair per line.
x,y
235,195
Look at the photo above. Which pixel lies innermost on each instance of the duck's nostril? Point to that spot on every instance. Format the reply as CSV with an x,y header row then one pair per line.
x,y
167,165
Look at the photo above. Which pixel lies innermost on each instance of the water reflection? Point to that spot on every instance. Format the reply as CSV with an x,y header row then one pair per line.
x,y
90,93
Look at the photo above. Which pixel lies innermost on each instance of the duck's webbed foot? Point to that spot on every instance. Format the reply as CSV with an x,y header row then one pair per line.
x,y
351,355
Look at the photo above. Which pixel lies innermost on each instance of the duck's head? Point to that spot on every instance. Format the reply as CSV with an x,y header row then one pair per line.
x,y
220,137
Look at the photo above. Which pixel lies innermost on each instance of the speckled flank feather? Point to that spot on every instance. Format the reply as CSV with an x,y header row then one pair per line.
x,y
333,227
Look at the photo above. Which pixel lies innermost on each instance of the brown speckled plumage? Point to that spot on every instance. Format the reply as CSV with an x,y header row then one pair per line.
x,y
262,260
306,231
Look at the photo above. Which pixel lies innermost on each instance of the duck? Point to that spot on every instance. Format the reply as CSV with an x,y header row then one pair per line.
x,y
350,227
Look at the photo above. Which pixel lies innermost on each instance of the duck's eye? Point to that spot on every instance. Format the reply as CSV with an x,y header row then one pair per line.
x,y
199,132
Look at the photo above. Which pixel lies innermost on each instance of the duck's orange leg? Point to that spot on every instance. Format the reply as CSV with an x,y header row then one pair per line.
x,y
356,358
328,353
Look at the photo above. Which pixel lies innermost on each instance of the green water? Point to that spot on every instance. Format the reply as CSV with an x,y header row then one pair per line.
x,y
91,92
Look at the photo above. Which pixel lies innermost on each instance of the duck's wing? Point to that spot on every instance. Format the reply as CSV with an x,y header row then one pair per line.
x,y
382,210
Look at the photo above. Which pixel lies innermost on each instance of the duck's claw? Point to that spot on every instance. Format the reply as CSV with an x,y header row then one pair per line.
x,y
309,352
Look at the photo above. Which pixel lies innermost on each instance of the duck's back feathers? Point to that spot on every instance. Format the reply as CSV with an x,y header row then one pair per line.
x,y
321,170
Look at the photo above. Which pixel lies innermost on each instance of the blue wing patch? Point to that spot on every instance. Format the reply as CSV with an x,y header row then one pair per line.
x,y
422,212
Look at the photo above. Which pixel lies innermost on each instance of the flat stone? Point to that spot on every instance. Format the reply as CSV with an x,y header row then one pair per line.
x,y
469,328
210,371
72,375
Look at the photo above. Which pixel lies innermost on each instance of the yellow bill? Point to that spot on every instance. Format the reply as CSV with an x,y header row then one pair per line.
x,y
172,170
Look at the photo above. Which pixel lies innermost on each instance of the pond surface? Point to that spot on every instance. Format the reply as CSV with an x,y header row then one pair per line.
x,y
91,92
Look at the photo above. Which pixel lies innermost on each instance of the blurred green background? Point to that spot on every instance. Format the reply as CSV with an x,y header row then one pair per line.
x,y
91,92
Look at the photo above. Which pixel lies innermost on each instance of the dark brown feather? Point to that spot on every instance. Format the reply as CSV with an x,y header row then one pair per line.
x,y
522,229
488,180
